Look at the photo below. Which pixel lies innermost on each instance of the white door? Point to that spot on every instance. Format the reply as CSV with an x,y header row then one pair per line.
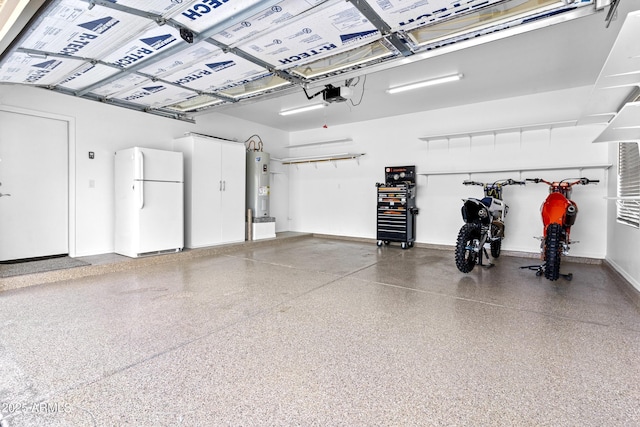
x,y
34,186
206,186
233,192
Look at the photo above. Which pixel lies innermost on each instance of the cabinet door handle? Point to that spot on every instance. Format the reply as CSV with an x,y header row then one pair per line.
x,y
224,185
220,189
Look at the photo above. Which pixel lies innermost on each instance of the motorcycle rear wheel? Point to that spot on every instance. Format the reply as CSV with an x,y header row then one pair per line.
x,y
465,255
553,251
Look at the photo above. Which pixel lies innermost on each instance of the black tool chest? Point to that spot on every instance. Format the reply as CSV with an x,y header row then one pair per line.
x,y
396,216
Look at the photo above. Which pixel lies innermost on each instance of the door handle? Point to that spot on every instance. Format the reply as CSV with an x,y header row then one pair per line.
x,y
139,166
4,195
141,194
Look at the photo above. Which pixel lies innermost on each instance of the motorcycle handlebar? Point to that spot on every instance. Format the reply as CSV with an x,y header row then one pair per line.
x,y
583,181
506,182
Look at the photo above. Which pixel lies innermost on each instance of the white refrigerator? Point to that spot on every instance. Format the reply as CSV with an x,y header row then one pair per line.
x,y
149,201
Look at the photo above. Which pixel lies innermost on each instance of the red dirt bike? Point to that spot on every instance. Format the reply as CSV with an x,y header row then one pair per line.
x,y
559,213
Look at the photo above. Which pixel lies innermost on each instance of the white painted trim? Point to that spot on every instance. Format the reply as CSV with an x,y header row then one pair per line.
x,y
623,273
71,152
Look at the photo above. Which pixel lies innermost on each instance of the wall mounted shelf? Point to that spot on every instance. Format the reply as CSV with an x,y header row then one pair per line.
x,y
619,78
523,128
321,158
516,169
634,200
625,126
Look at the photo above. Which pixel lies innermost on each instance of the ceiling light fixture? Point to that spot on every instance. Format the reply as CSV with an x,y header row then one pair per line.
x,y
302,109
425,83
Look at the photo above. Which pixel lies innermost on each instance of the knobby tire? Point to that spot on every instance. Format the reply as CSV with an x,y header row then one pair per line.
x,y
466,258
496,245
553,251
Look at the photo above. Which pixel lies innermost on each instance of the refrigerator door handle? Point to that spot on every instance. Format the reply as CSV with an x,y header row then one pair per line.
x,y
141,178
141,160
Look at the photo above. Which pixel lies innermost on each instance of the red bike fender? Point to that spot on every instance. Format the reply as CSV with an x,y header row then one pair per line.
x,y
554,209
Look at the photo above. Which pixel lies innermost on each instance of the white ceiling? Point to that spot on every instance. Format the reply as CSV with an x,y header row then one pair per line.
x,y
565,55
569,53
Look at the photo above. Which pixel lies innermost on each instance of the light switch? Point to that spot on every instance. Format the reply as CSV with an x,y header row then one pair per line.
x,y
91,155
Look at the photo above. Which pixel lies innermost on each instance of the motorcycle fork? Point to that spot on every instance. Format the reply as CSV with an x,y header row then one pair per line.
x,y
499,228
484,237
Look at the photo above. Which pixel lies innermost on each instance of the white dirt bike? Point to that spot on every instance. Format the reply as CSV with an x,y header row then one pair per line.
x,y
484,224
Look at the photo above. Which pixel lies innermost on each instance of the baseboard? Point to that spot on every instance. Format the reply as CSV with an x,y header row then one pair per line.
x,y
348,238
627,284
520,254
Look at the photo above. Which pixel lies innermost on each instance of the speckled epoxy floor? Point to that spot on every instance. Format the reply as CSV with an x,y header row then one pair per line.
x,y
315,331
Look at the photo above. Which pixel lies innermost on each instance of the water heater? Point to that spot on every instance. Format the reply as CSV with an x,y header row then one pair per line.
x,y
258,183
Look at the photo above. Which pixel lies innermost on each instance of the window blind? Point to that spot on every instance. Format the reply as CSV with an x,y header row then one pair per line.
x,y
629,184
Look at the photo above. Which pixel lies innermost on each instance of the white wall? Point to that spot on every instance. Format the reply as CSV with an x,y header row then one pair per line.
x,y
340,198
621,239
104,129
279,196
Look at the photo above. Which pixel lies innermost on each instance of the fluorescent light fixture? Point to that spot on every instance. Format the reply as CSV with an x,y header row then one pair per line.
x,y
425,83
10,14
302,109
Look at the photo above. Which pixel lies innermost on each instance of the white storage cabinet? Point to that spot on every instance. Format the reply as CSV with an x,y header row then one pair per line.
x,y
214,179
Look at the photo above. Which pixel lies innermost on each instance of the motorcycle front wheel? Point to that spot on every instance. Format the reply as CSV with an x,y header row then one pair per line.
x,y
553,251
468,238
496,245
